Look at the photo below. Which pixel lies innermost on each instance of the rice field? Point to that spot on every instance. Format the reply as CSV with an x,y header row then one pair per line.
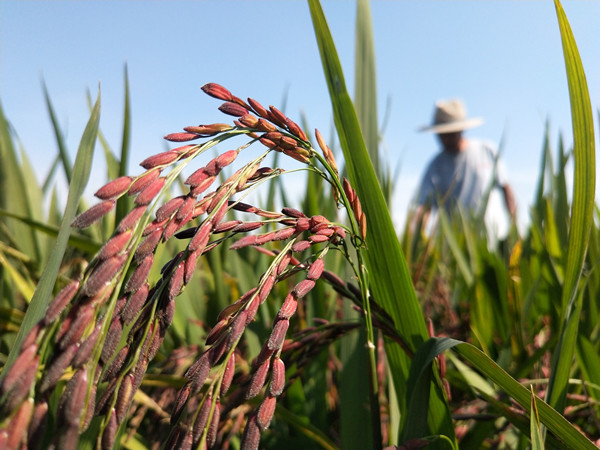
x,y
173,310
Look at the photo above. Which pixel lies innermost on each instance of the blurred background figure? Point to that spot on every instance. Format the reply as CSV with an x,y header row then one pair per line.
x,y
463,173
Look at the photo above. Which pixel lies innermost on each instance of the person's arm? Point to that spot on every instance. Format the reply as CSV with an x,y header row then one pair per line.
x,y
509,199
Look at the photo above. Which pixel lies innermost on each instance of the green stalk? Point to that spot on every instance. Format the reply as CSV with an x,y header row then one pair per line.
x,y
360,269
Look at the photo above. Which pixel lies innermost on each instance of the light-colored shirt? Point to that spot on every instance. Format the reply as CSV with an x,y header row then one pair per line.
x,y
464,178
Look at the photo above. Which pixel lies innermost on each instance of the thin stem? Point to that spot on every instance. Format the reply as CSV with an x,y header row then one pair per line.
x,y
363,279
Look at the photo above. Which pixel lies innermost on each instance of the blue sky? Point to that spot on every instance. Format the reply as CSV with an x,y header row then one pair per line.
x,y
503,58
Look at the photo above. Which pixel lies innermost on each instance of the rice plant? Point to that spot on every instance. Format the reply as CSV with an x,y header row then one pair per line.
x,y
179,312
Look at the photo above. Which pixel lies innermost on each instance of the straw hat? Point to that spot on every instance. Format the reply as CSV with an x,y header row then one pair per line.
x,y
450,116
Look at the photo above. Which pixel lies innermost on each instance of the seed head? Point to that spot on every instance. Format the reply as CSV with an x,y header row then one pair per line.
x,y
59,303
245,227
181,137
114,188
103,274
37,426
135,304
233,109
198,372
13,376
251,437
266,288
295,129
201,237
142,181
277,116
148,245
73,398
185,150
139,275
17,427
176,282
225,159
202,185
202,418
249,120
237,328
258,108
277,377
33,335
198,177
288,308
190,266
302,224
131,219
228,374
318,238
217,91
316,269
124,397
95,213
266,411
110,432
258,380
114,245
85,349
251,310
57,367
149,192
160,159
284,234
112,339
180,402
284,262
277,336
301,246
246,241
82,318
211,434
167,210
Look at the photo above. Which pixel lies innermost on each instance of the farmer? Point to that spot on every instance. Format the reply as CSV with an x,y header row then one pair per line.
x,y
463,172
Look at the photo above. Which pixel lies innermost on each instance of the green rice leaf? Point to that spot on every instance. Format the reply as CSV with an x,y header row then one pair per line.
x,y
308,430
14,194
124,203
560,427
581,213
60,139
25,286
537,441
365,89
79,179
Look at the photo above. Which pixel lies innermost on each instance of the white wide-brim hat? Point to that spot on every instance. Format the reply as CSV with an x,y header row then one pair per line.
x,y
450,116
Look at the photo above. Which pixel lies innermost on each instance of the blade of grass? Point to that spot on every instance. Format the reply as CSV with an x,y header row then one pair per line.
x,y
365,89
316,435
24,285
390,280
537,441
13,193
124,203
570,436
79,179
60,140
581,214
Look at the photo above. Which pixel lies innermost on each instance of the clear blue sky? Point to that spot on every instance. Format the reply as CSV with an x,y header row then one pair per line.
x,y
504,58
